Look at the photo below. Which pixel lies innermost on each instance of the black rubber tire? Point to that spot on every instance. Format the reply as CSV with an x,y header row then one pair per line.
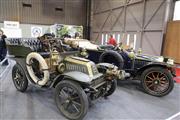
x,y
82,95
112,57
112,88
166,73
18,71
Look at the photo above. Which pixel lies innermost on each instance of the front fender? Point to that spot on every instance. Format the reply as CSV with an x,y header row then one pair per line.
x,y
155,64
79,76
73,75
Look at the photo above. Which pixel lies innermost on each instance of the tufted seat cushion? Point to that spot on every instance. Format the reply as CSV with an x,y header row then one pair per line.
x,y
32,43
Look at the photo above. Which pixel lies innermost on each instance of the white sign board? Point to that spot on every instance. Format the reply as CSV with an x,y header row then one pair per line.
x,y
11,24
12,33
36,31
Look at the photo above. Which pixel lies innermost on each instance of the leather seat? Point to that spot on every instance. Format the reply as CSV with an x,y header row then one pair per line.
x,y
33,43
45,54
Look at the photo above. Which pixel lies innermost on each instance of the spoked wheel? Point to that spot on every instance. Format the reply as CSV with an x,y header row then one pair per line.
x,y
157,81
71,100
19,78
111,87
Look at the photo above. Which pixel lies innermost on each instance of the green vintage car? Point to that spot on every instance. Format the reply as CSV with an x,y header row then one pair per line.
x,y
44,63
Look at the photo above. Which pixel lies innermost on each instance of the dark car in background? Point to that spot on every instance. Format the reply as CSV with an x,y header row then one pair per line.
x,y
155,72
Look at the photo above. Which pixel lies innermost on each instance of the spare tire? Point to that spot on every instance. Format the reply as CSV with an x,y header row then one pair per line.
x,y
43,65
112,57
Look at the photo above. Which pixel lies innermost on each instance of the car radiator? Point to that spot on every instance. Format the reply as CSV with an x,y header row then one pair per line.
x,y
74,67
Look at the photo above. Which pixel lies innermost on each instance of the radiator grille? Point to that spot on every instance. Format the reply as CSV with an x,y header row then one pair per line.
x,y
75,67
94,69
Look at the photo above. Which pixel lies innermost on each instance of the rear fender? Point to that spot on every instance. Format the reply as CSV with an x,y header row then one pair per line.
x,y
22,63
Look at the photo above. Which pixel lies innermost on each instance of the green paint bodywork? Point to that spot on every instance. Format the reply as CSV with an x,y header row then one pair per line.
x,y
18,50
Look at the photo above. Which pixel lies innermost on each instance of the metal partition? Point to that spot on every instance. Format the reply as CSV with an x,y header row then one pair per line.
x,y
143,21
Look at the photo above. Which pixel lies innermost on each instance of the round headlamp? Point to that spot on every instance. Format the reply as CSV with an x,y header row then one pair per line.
x,y
160,59
170,61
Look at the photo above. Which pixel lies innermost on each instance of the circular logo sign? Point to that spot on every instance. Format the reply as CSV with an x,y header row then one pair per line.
x,y
36,31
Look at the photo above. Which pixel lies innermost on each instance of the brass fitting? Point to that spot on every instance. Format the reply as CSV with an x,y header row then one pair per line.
x,y
114,73
83,53
55,57
61,67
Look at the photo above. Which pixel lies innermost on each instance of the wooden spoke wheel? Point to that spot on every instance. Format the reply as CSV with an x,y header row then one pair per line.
x,y
157,81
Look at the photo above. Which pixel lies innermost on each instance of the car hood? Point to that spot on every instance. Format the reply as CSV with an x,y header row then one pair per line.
x,y
150,58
